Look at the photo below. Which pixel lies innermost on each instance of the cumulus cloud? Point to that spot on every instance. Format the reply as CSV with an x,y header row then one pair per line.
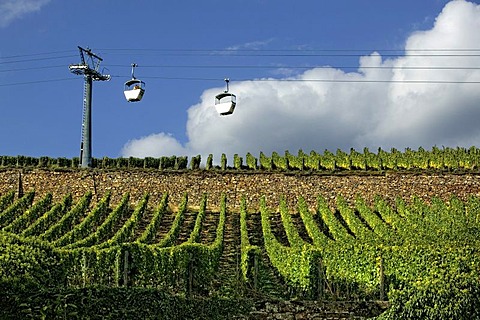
x,y
11,10
371,107
149,146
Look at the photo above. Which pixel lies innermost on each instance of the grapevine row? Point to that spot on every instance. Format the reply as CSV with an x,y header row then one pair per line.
x,y
82,229
32,214
148,236
294,263
420,159
105,229
16,209
65,223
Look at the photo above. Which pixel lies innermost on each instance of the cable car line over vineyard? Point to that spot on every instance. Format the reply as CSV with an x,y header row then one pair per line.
x,y
237,53
352,247
226,102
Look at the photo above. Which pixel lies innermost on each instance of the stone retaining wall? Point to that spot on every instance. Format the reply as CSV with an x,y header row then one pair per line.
x,y
312,310
251,185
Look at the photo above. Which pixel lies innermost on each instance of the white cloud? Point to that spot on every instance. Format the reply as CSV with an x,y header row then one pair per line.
x,y
11,10
254,45
276,115
154,145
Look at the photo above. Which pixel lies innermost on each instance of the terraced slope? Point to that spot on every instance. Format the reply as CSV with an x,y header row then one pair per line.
x,y
341,248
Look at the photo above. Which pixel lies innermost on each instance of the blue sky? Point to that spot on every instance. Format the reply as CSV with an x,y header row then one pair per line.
x,y
346,63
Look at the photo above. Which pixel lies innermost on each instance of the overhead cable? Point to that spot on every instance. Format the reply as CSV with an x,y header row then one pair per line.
x,y
36,81
309,80
300,67
35,59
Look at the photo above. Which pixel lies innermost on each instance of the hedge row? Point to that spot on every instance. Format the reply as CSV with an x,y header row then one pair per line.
x,y
22,300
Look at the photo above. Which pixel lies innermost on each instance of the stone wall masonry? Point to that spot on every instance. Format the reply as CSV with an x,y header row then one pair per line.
x,y
251,185
315,310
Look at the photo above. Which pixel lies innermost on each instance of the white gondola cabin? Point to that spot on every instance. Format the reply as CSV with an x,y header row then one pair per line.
x,y
134,88
225,102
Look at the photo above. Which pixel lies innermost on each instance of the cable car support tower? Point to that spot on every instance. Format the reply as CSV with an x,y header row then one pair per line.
x,y
90,63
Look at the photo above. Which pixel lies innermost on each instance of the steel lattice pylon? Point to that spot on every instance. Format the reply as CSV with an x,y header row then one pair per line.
x,y
89,69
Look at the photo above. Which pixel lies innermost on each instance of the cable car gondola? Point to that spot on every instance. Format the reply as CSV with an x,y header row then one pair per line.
x,y
134,88
225,102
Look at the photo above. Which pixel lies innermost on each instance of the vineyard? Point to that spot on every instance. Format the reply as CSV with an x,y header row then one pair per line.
x,y
436,159
418,255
